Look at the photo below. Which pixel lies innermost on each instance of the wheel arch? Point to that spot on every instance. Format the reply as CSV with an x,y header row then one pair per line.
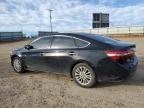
x,y
80,61
13,56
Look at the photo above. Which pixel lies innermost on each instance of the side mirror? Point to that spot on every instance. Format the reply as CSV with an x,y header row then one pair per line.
x,y
28,47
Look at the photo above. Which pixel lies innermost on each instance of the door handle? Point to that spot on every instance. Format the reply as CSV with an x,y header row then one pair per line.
x,y
72,53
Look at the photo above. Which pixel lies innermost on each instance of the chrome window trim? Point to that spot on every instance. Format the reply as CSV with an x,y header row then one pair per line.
x,y
39,39
74,38
62,36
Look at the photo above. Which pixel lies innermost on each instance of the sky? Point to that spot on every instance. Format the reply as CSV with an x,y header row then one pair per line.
x,y
32,15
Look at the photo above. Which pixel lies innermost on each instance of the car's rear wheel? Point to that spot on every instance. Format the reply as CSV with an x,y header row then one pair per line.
x,y
17,65
84,75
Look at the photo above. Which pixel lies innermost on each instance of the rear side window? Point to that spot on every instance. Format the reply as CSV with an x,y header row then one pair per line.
x,y
42,43
63,42
81,43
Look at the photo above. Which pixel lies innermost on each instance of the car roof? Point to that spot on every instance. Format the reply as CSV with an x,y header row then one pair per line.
x,y
77,34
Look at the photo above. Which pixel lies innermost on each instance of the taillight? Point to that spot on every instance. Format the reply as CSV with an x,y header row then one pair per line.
x,y
117,55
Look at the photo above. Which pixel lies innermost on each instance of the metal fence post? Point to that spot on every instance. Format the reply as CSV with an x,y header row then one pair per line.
x,y
129,30
117,30
12,36
143,30
90,30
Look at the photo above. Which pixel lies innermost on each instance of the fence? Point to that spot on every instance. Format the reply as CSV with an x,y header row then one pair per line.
x,y
115,30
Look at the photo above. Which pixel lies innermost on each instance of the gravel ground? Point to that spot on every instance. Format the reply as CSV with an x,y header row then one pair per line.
x,y
45,90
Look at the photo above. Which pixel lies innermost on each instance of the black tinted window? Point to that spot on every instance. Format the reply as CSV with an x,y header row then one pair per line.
x,y
42,43
81,43
63,42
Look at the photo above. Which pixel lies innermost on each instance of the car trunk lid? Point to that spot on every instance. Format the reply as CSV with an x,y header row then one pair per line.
x,y
123,46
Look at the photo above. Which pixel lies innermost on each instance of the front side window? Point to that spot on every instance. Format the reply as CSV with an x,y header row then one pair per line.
x,y
42,43
63,42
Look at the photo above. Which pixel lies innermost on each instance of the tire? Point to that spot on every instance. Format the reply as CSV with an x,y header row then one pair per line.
x,y
17,65
84,75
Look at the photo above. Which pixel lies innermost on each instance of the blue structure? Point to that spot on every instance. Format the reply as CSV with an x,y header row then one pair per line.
x,y
45,33
11,36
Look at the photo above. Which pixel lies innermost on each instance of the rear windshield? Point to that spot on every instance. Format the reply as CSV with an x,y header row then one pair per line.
x,y
104,39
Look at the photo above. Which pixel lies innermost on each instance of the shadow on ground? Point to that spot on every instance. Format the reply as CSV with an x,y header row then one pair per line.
x,y
137,79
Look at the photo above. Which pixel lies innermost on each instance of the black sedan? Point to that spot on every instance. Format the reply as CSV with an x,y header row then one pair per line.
x,y
87,58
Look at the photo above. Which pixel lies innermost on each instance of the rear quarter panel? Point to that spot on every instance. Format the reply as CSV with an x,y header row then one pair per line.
x,y
93,57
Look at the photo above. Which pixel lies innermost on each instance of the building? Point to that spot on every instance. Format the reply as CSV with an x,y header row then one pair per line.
x,y
100,20
11,36
45,33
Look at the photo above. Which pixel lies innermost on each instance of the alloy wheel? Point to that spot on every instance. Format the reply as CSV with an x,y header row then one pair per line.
x,y
83,75
17,65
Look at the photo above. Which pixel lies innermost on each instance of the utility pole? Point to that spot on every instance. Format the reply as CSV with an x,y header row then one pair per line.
x,y
50,11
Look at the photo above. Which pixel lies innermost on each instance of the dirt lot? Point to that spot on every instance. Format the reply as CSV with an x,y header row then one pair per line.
x,y
45,90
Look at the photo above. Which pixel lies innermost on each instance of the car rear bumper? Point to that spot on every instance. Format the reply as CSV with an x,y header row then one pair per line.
x,y
129,69
113,71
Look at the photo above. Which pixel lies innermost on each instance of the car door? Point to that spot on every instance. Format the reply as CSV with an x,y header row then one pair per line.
x,y
65,52
35,58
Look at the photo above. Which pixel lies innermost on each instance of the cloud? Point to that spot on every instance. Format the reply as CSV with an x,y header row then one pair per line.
x,y
107,2
31,15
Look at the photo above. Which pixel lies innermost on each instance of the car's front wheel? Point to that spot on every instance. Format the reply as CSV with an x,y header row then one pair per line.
x,y
84,75
17,65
